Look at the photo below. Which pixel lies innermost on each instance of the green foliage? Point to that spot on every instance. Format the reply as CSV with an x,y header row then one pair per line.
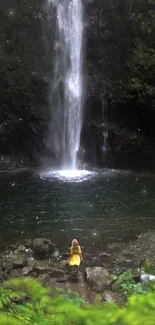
x,y
127,285
49,307
141,57
23,94
148,268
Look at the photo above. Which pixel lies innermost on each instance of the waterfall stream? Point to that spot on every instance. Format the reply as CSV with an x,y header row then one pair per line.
x,y
66,83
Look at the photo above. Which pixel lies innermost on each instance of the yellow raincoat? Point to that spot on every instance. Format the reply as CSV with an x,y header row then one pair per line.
x,y
75,256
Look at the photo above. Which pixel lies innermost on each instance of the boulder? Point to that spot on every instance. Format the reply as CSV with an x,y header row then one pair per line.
x,y
28,243
56,253
56,273
41,267
98,278
45,278
28,252
13,261
110,296
15,273
21,248
27,271
62,279
31,262
63,265
136,274
19,261
42,247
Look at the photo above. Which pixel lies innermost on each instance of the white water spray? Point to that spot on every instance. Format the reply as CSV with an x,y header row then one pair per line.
x,y
66,85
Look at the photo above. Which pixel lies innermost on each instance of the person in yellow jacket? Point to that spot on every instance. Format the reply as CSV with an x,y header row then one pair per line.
x,y
75,255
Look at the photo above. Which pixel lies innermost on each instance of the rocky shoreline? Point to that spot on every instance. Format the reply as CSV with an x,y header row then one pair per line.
x,y
41,259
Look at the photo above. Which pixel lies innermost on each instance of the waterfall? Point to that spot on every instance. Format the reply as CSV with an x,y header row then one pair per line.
x,y
66,81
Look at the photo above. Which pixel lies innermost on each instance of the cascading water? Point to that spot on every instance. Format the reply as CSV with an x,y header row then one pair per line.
x,y
64,62
66,84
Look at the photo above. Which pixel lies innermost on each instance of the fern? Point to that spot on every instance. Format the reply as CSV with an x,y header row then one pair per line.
x,y
51,307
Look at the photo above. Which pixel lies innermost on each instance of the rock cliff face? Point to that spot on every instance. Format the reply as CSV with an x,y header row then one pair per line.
x,y
106,46
116,125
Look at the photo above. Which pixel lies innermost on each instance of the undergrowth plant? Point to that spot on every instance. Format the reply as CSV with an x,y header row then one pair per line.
x,y
28,302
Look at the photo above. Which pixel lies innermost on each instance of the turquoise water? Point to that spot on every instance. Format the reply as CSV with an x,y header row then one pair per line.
x,y
109,206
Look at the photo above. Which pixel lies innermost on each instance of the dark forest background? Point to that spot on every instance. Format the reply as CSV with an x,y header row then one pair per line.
x,y
119,74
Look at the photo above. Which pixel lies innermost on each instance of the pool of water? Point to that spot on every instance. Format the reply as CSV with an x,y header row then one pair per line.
x,y
106,207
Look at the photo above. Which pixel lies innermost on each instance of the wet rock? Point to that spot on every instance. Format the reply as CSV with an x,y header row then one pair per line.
x,y
12,247
45,278
56,273
56,253
9,262
42,247
136,274
34,275
62,279
134,253
27,271
98,278
31,262
21,248
19,261
15,273
41,266
46,267
13,261
29,252
28,243
63,265
110,296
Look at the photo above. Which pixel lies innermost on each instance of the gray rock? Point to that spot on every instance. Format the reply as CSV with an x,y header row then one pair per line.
x,y
110,296
63,265
13,261
45,267
98,278
15,273
31,262
28,243
21,248
41,266
45,278
136,274
12,247
62,279
27,271
29,252
19,261
56,273
56,253
42,247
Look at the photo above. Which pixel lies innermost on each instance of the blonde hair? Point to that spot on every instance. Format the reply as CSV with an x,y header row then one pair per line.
x,y
75,242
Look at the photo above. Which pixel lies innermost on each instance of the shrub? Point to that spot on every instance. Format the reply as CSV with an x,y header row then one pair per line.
x,y
28,302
